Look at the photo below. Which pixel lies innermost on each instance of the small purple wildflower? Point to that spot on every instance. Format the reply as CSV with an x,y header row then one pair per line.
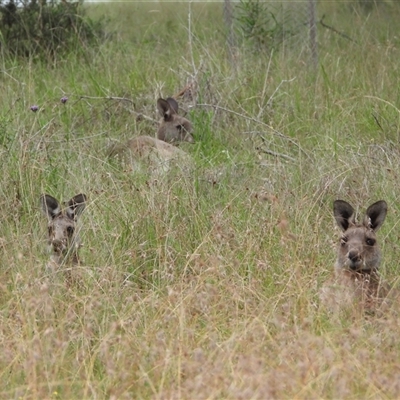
x,y
64,99
34,108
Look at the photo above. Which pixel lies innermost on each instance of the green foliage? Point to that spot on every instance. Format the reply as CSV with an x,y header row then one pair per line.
x,y
6,137
46,28
260,22
369,5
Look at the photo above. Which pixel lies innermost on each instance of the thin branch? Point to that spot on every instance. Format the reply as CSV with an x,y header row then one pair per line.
x,y
335,30
75,139
269,102
383,101
190,38
183,91
265,85
107,98
377,121
120,99
274,131
273,153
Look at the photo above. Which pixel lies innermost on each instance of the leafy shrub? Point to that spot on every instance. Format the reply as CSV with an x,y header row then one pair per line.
x,y
45,28
369,5
262,23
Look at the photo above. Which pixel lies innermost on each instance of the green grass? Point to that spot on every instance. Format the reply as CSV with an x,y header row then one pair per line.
x,y
202,283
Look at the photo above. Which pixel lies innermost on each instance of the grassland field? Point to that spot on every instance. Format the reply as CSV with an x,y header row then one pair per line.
x,y
201,283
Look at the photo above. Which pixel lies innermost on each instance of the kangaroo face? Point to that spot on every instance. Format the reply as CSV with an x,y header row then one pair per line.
x,y
62,237
358,250
61,234
173,128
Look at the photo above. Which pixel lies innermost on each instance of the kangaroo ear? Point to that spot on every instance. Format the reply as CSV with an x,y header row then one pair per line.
x,y
344,214
167,108
173,104
50,206
76,205
375,215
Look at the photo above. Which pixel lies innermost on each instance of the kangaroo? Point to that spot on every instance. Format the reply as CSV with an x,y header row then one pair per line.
x,y
358,258
173,129
62,237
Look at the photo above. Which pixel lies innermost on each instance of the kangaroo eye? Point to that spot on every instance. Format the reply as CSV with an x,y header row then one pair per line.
x,y
179,127
70,230
370,242
50,229
343,240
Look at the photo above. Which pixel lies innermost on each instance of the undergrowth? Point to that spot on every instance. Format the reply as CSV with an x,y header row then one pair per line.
x,y
201,282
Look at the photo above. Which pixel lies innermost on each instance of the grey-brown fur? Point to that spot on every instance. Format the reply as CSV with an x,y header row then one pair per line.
x,y
62,236
358,250
172,130
358,258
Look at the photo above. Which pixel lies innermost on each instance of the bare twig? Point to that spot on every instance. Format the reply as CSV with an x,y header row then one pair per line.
x,y
107,98
383,101
313,32
260,135
120,99
377,121
335,30
274,131
265,86
75,139
269,102
182,92
273,153
190,38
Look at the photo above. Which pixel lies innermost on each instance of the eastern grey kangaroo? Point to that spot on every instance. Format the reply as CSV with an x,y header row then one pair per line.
x,y
62,236
358,258
172,129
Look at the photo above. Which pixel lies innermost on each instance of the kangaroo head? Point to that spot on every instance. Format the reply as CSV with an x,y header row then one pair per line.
x,y
173,128
358,250
62,224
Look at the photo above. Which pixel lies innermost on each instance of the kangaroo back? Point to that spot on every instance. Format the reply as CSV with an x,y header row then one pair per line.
x,y
62,237
161,151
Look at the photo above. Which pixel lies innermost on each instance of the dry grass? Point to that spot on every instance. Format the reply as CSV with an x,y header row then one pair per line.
x,y
201,283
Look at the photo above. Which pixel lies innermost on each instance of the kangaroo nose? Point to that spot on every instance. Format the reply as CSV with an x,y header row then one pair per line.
x,y
354,256
58,245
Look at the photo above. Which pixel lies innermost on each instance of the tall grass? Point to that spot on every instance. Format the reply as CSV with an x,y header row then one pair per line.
x,y
200,283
